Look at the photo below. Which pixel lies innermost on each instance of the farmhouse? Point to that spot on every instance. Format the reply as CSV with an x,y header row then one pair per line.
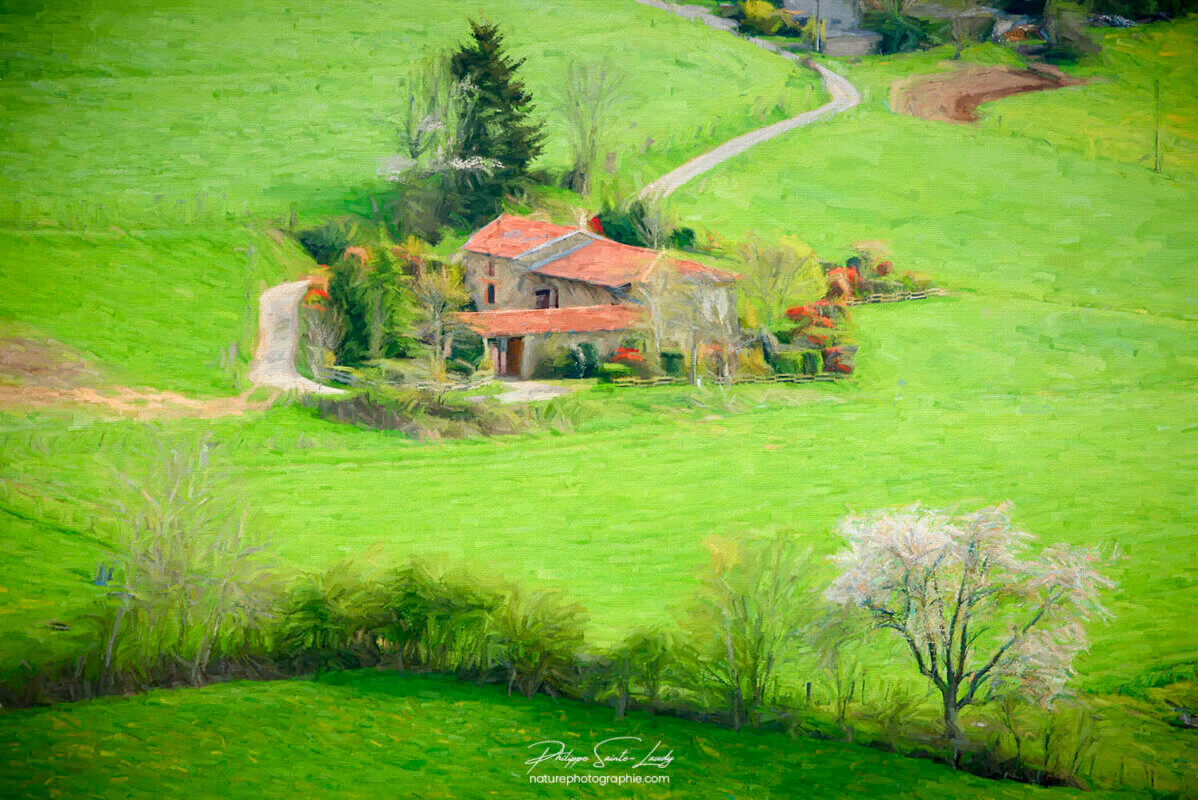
x,y
532,280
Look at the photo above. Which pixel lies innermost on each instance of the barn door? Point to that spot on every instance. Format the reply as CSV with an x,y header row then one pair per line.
x,y
515,351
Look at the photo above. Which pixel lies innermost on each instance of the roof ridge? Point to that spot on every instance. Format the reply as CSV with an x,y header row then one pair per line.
x,y
559,308
548,243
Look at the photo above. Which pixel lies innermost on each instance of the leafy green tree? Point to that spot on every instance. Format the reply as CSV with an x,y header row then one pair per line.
x,y
374,303
500,129
776,275
327,241
639,665
439,294
438,621
1065,24
331,619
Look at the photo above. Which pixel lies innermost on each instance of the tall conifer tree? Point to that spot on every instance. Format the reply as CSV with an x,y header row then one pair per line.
x,y
501,128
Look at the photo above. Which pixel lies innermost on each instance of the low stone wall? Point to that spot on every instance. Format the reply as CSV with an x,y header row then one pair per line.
x,y
853,44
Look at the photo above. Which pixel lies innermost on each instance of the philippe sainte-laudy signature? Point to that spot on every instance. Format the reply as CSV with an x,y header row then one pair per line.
x,y
610,752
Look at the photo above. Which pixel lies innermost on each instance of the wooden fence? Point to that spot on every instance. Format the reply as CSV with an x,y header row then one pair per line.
x,y
347,378
896,297
823,377
476,382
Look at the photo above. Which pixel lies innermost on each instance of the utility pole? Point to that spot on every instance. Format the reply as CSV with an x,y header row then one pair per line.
x,y
1156,126
818,39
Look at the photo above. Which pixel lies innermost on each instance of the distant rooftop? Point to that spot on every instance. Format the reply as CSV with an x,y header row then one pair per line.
x,y
583,256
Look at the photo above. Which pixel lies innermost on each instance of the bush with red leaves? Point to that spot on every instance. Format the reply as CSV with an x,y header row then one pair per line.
x,y
626,355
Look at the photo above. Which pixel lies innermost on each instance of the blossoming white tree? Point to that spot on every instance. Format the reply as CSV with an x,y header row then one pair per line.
x,y
440,109
978,617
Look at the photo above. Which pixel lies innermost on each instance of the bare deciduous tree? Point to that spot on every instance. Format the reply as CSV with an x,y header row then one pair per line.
x,y
189,569
590,98
324,331
750,618
652,224
836,640
702,311
652,293
974,614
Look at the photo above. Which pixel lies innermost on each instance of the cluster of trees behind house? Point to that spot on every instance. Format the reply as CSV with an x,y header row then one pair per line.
x,y
391,310
980,622
906,25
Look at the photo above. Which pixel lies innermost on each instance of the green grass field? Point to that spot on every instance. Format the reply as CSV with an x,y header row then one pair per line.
x,y
1060,374
424,738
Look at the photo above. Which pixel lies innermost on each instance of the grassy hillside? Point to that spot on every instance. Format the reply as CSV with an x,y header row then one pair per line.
x,y
139,138
152,307
272,106
634,491
424,738
1068,348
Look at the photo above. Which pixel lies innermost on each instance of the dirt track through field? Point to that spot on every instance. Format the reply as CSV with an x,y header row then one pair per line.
x,y
844,96
46,374
955,96
278,341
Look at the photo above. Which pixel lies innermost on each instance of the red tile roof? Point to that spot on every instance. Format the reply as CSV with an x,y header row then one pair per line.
x,y
695,268
509,236
529,322
602,262
598,261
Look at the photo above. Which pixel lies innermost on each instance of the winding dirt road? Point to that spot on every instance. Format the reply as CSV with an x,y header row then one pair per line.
x,y
278,341
844,96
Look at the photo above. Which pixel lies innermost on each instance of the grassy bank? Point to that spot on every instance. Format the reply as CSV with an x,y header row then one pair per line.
x,y
424,737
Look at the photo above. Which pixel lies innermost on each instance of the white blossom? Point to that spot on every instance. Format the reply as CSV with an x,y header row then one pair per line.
x,y
979,617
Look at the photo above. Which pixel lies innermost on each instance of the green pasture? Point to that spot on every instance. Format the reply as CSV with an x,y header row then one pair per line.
x,y
172,309
615,511
417,737
263,107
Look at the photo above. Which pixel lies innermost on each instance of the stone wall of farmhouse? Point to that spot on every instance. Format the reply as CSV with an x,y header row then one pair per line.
x,y
515,287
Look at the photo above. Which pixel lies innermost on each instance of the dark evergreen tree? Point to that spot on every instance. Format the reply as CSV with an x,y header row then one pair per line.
x,y
501,129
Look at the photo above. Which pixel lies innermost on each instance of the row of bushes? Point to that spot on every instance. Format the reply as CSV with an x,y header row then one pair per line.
x,y
489,631
421,413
